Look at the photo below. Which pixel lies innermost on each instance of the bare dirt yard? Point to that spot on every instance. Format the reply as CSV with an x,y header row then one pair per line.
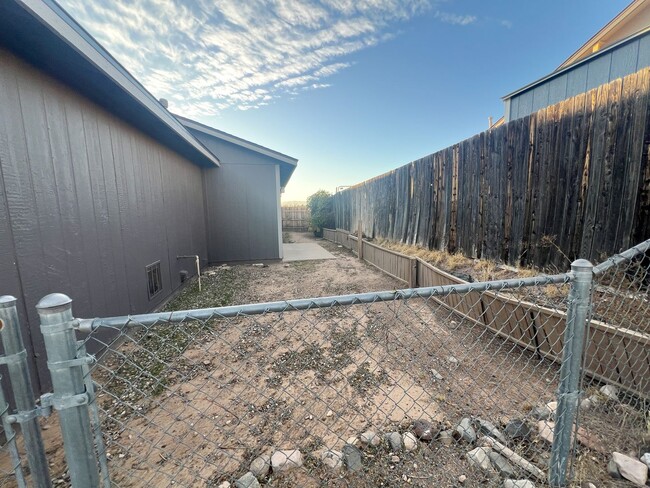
x,y
194,404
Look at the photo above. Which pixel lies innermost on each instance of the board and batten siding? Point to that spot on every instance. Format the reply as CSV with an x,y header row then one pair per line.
x,y
618,62
242,204
86,203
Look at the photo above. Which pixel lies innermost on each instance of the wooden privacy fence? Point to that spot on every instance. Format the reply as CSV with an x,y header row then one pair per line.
x,y
296,218
570,180
533,327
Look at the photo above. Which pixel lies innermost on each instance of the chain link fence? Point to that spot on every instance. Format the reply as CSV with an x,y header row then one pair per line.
x,y
464,385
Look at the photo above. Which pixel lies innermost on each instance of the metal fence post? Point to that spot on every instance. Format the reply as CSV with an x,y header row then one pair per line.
x,y
10,434
568,394
27,414
70,397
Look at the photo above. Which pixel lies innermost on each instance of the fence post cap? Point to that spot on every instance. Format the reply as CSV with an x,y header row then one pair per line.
x,y
581,265
7,301
53,301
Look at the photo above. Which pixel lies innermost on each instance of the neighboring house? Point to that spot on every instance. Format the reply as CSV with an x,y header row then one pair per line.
x,y
620,48
101,188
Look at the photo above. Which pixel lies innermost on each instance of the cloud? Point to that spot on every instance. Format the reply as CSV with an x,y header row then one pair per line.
x,y
456,19
506,23
205,56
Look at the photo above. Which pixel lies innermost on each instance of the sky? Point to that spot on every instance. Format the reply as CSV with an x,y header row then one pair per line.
x,y
352,88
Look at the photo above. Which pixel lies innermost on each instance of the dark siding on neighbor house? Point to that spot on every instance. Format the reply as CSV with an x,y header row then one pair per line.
x,y
87,202
622,60
242,204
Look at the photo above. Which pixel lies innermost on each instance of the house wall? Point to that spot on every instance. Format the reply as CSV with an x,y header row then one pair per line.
x,y
243,217
621,61
86,202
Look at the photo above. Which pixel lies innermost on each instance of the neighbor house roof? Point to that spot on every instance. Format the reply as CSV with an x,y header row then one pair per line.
x,y
287,163
43,34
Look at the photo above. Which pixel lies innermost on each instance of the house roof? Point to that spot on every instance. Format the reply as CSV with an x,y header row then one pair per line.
x,y
287,163
634,18
43,34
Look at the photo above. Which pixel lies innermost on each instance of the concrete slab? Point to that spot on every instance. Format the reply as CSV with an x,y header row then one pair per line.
x,y
305,251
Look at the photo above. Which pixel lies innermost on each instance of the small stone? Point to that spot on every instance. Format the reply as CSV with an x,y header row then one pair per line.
x,y
287,266
394,459
462,478
612,470
436,375
410,441
587,404
609,391
352,457
501,464
645,459
631,469
424,430
488,428
332,459
466,431
541,412
353,441
225,484
452,360
446,437
479,457
329,413
518,484
394,441
545,430
260,466
286,460
247,481
587,485
259,265
517,429
370,438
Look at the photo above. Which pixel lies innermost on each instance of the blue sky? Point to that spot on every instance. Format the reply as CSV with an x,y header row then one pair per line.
x,y
352,88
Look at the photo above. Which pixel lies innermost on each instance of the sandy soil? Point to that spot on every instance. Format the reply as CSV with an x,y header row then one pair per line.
x,y
216,395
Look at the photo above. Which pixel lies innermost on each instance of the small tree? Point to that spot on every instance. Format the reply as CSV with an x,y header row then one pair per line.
x,y
321,208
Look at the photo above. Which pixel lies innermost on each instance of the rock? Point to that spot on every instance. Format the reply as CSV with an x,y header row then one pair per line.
x,y
466,431
259,265
225,484
410,441
424,430
546,432
587,404
260,466
479,457
612,470
331,458
501,464
541,412
518,484
631,469
286,460
452,360
247,481
329,413
354,441
488,428
446,437
517,429
646,459
587,485
609,391
394,440
370,438
462,478
394,459
436,375
352,457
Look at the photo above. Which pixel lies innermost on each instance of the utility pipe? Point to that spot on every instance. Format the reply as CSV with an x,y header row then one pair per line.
x,y
198,265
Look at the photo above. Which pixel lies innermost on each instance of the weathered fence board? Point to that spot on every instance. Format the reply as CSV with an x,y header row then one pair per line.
x,y
570,180
296,218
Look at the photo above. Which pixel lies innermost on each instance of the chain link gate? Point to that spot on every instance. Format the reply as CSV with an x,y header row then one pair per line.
x,y
466,384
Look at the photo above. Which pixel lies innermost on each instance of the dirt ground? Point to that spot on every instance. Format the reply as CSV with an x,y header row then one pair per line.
x,y
193,404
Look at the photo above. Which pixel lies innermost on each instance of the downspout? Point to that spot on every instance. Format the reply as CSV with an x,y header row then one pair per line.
x,y
198,265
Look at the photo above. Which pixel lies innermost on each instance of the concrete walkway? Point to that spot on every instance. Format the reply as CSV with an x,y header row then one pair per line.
x,y
305,251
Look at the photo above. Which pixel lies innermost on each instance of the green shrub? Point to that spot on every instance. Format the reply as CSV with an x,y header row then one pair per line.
x,y
321,208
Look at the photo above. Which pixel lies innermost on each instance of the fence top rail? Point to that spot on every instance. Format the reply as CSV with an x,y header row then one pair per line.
x,y
622,257
390,251
89,325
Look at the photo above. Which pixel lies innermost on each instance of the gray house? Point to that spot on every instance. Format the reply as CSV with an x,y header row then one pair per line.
x,y
102,188
620,48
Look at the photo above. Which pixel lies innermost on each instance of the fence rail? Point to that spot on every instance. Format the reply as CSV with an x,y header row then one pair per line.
x,y
296,218
617,354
